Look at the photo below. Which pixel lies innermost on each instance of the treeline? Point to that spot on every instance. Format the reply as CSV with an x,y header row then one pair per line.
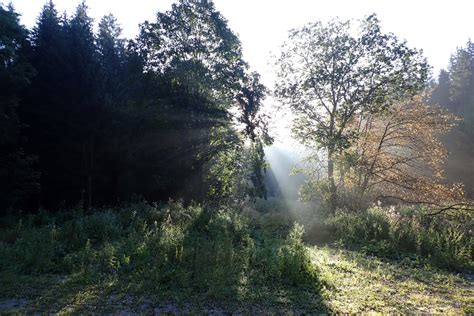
x,y
455,91
94,119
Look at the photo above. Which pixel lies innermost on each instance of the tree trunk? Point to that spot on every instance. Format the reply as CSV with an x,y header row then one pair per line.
x,y
89,176
332,183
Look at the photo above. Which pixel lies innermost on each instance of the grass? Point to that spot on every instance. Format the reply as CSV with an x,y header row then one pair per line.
x,y
352,283
362,283
170,258
155,253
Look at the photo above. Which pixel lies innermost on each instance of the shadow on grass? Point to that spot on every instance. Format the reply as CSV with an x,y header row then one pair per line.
x,y
201,262
233,264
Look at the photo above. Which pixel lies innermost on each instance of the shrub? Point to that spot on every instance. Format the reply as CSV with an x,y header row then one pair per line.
x,y
36,250
445,241
294,260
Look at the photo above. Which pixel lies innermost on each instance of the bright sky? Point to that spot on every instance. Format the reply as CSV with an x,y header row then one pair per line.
x,y
436,26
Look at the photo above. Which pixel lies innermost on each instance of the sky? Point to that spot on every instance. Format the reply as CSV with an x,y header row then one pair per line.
x,y
435,26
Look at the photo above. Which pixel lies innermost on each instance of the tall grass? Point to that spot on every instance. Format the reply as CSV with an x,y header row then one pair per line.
x,y
217,252
446,242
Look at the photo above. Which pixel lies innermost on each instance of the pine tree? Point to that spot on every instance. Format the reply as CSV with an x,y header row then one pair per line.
x,y
60,108
441,94
111,53
462,79
18,178
460,142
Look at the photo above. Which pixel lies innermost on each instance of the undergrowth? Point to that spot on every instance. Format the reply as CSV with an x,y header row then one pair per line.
x,y
163,249
73,261
410,233
444,241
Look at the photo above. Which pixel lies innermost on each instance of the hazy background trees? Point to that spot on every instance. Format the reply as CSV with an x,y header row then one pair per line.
x,y
454,91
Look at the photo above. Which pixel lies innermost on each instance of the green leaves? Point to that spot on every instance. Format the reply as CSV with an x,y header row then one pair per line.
x,y
326,75
193,42
192,45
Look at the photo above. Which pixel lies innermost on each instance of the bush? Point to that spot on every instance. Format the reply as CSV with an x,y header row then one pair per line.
x,y
447,242
33,251
294,260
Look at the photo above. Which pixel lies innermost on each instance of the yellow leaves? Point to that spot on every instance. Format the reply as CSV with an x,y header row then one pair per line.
x,y
400,152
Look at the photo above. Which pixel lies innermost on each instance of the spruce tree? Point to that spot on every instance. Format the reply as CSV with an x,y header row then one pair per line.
x,y
18,177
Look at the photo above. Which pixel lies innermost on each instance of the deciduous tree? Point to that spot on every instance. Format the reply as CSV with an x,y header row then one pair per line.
x,y
399,155
330,73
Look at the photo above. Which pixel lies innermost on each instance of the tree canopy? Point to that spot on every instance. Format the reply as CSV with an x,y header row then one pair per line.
x,y
330,73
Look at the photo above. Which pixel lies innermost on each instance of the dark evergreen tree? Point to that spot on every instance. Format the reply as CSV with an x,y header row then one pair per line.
x,y
112,98
18,179
111,54
42,108
440,94
61,106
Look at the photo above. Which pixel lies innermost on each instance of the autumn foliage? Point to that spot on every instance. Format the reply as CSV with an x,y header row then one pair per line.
x,y
399,156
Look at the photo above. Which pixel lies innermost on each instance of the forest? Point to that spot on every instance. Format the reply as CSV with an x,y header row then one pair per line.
x,y
142,176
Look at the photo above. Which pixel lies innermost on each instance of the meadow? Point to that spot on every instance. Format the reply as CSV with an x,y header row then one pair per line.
x,y
171,258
